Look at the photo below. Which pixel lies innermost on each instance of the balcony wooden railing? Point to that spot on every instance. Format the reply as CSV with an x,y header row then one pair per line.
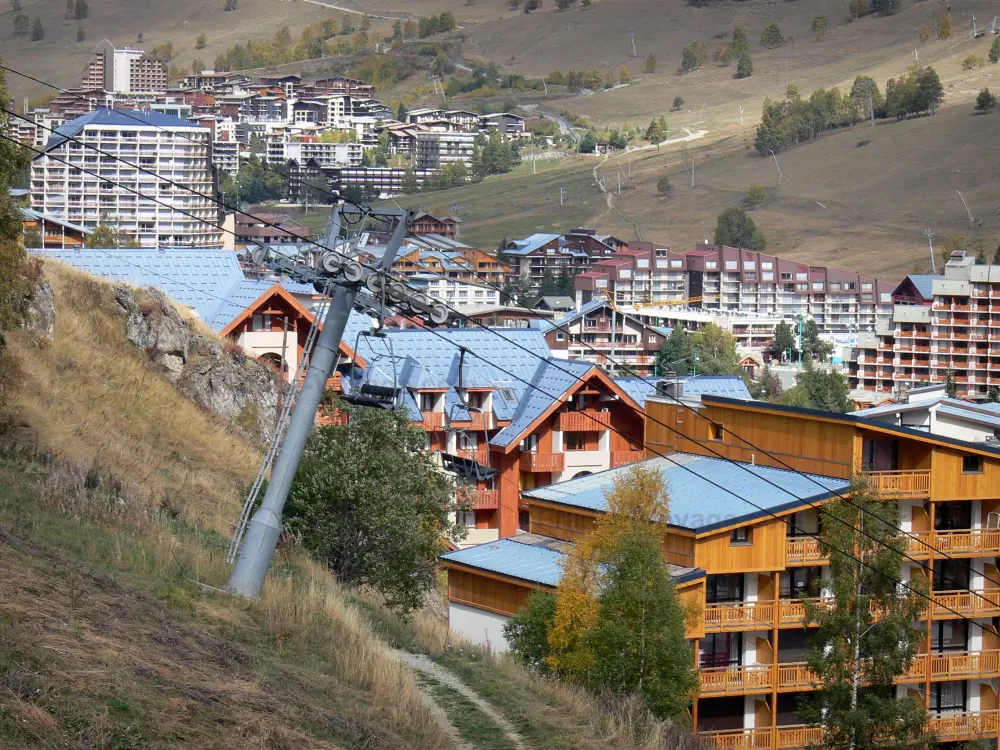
x,y
784,738
965,726
620,458
981,542
795,676
739,680
479,456
543,462
900,485
948,604
588,420
433,420
729,616
802,550
957,727
486,500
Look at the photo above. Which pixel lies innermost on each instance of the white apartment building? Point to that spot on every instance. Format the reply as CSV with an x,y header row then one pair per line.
x,y
433,149
325,154
165,146
455,293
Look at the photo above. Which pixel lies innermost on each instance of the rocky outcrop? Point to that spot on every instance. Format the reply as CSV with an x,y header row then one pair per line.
x,y
41,317
218,378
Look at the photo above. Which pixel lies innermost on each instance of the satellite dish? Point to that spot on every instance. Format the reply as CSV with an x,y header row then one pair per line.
x,y
258,255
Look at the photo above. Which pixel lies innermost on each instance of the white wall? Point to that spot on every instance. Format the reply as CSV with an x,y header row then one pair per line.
x,y
477,625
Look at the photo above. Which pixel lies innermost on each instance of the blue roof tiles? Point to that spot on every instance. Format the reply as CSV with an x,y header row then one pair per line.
x,y
705,493
526,562
119,118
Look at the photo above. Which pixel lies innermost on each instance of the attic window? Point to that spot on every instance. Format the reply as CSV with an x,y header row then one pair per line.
x,y
507,394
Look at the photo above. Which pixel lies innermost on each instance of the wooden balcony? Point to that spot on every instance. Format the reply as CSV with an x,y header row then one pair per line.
x,y
620,458
433,421
732,616
965,726
803,550
974,542
479,456
543,462
486,500
589,420
741,680
955,727
900,485
951,604
784,738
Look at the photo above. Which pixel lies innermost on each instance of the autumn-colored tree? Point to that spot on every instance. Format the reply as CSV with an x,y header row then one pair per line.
x,y
651,63
201,41
942,24
623,76
925,34
617,625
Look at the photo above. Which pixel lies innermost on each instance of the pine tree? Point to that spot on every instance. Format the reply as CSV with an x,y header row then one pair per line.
x,y
37,30
693,56
81,10
676,354
995,50
81,35
663,186
771,36
651,62
819,26
201,42
22,25
744,66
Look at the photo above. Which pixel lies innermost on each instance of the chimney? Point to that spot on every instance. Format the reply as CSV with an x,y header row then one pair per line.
x,y
670,386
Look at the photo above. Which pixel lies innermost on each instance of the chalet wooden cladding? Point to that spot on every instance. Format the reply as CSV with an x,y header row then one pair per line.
x,y
745,479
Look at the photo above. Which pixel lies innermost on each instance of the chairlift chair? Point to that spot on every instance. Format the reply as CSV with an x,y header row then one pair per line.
x,y
371,395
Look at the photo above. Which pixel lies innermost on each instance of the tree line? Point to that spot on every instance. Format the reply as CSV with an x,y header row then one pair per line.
x,y
280,48
788,122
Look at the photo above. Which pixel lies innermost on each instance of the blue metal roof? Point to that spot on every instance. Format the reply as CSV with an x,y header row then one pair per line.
x,y
526,562
198,279
530,243
551,379
30,213
638,389
731,386
696,503
119,118
924,283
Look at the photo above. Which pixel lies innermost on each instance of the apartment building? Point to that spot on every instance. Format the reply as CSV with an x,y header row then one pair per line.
x,y
746,559
269,229
124,71
383,182
540,255
433,149
449,258
930,409
599,334
171,148
445,226
731,280
454,292
939,324
492,428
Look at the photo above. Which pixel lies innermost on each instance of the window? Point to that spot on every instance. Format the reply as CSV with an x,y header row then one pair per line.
x,y
801,276
466,518
749,265
767,265
724,588
818,286
867,286
575,441
797,583
949,635
427,401
948,697
508,395
676,264
530,444
560,337
731,265
711,265
786,276
715,431
721,650
972,464
741,535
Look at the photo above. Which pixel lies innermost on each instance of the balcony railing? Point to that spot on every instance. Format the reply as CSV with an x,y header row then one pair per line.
x,y
900,485
620,458
486,500
802,550
739,680
433,420
949,604
957,727
728,616
543,462
479,456
589,420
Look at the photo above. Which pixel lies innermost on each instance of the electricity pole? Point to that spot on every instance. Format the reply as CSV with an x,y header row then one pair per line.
x,y
971,220
560,195
930,241
631,33
262,532
871,101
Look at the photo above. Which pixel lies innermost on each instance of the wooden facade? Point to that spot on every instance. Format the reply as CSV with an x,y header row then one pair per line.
x,y
750,637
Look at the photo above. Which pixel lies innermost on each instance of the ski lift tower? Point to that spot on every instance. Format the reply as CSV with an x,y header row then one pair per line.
x,y
334,264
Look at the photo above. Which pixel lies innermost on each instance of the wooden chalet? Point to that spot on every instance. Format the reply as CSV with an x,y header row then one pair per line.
x,y
740,542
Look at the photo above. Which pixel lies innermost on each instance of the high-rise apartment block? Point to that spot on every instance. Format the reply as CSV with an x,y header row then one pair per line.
x,y
124,71
178,206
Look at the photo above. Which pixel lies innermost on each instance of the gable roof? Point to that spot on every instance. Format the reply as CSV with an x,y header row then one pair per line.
x,y
706,493
32,215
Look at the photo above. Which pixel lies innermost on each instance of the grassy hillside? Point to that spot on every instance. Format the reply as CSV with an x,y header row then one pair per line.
x,y
61,60
117,497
